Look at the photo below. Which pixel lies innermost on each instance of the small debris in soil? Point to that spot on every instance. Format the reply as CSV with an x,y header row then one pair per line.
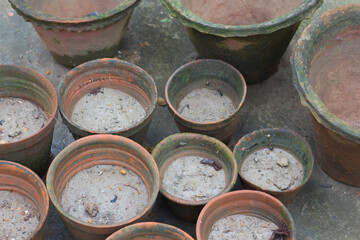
x,y
114,200
93,14
211,162
95,91
48,72
281,232
91,209
161,102
283,162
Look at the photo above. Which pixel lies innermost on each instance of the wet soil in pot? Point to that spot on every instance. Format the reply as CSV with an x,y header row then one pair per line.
x,y
104,194
274,170
206,101
18,216
73,9
240,12
335,76
189,179
242,227
107,109
19,119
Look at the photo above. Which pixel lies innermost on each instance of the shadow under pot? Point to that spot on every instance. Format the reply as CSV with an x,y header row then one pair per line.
x,y
28,111
276,161
194,168
150,230
249,35
205,96
24,203
108,96
78,31
102,183
326,74
245,214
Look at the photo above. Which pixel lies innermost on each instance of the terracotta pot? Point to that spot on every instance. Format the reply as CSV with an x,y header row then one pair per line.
x,y
95,150
254,49
76,32
281,138
190,144
150,230
192,74
337,142
19,179
34,151
111,73
249,202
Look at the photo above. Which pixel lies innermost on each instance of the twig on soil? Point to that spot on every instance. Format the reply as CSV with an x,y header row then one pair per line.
x,y
128,185
211,162
282,231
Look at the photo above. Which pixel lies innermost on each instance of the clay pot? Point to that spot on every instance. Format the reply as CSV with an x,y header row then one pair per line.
x,y
150,230
250,202
190,144
76,32
111,73
17,178
192,74
34,151
337,142
91,151
281,138
218,29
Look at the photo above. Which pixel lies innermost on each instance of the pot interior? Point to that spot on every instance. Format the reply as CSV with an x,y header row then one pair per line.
x,y
73,9
335,74
240,12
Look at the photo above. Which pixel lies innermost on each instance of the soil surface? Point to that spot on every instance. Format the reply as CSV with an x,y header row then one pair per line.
x,y
19,119
188,179
206,104
105,194
18,216
240,12
275,170
335,76
242,227
107,109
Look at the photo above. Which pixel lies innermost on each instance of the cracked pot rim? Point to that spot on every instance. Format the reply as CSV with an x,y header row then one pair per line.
x,y
191,20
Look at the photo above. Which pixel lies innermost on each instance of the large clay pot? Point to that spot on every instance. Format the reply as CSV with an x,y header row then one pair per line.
x,y
337,140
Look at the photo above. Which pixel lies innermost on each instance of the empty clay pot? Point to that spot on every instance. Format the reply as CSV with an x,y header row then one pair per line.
x,y
326,76
78,31
150,230
190,144
111,73
280,138
249,202
91,151
34,151
190,77
249,35
19,179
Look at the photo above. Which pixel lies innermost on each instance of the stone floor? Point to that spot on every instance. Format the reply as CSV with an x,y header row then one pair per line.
x,y
324,209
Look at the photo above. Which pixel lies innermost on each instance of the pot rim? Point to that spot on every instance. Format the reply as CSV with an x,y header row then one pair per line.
x,y
301,78
191,20
237,194
40,184
50,177
204,61
86,23
94,64
269,131
150,226
182,136
52,116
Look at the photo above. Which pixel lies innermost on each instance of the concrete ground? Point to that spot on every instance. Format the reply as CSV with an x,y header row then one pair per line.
x,y
324,209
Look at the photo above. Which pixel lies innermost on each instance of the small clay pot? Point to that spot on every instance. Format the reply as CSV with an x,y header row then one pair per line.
x,y
187,144
337,142
34,151
95,150
249,202
194,73
254,49
19,179
111,73
281,138
77,32
150,230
